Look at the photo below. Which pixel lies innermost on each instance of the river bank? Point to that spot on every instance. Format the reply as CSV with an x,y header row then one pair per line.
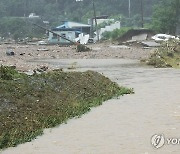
x,y
167,55
123,125
29,104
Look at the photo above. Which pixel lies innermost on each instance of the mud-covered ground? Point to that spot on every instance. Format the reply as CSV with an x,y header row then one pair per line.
x,y
25,53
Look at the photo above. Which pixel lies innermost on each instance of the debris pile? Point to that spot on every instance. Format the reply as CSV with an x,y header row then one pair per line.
x,y
136,35
82,48
168,55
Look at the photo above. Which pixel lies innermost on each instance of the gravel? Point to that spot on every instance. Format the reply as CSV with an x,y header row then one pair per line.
x,y
25,53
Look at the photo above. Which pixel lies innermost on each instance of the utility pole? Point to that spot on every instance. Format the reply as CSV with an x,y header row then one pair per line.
x,y
25,8
81,6
95,21
129,8
142,14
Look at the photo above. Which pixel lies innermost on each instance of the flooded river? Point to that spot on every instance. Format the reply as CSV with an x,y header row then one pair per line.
x,y
119,126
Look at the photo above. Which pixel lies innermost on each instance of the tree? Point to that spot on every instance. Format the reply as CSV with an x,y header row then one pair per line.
x,y
166,16
56,11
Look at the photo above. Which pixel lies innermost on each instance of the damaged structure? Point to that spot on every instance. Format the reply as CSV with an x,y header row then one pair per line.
x,y
69,30
110,25
82,33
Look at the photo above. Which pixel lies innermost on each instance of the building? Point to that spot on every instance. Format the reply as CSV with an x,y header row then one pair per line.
x,y
68,33
178,28
69,30
33,15
83,28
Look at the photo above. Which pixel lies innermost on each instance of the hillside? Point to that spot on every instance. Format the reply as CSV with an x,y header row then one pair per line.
x,y
54,10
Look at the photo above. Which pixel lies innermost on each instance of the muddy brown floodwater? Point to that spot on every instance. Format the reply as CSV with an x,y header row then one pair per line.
x,y
119,126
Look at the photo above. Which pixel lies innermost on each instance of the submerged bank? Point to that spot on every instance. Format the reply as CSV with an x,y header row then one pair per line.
x,y
28,104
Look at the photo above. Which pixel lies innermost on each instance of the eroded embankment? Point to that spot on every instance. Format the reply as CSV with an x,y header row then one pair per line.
x,y
28,104
168,55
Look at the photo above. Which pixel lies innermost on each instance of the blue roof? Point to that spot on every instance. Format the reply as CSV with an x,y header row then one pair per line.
x,y
63,29
66,29
65,25
69,24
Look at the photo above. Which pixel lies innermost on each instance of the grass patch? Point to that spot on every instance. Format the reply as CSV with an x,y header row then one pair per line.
x,y
115,34
28,104
168,55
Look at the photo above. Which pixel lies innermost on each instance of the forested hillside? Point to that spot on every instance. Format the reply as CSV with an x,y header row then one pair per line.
x,y
159,15
54,10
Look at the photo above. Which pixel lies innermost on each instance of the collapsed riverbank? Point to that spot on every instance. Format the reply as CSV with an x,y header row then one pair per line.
x,y
168,55
28,104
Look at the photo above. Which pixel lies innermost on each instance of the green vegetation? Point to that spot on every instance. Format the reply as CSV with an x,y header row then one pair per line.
x,y
19,28
166,16
82,48
166,56
28,104
134,21
56,11
104,24
115,34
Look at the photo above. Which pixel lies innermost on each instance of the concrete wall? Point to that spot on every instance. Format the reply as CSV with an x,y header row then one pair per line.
x,y
110,28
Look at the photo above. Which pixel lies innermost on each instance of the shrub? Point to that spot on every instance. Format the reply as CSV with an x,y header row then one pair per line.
x,y
115,33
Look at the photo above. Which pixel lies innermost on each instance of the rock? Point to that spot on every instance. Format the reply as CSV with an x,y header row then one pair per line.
x,y
21,54
58,70
168,65
53,56
29,72
12,66
42,69
170,54
119,46
140,37
10,52
150,44
82,48
43,49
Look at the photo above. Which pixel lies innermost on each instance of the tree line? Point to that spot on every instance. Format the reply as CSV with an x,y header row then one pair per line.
x,y
71,9
161,15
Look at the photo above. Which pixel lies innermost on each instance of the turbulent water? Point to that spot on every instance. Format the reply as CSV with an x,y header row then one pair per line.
x,y
123,125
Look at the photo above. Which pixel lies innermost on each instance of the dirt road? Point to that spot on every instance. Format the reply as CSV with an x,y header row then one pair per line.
x,y
123,125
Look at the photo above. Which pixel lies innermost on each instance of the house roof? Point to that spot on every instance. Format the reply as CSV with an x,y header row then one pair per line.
x,y
70,24
63,29
66,29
